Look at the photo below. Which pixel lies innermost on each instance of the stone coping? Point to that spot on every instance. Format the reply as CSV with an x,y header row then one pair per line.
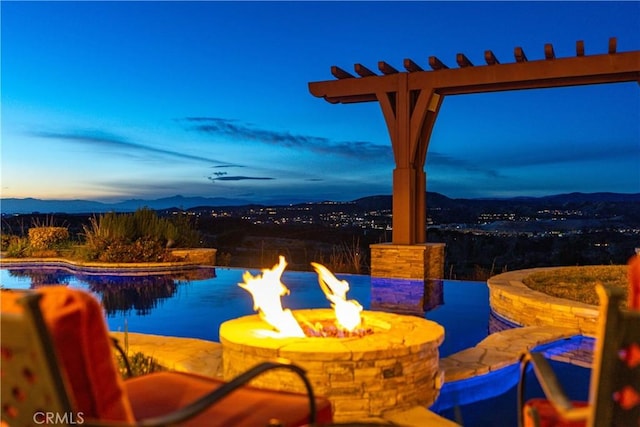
x,y
393,334
544,318
90,266
177,354
510,298
499,350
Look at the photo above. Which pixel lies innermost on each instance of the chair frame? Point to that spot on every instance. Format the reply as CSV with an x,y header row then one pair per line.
x,y
29,329
617,327
25,332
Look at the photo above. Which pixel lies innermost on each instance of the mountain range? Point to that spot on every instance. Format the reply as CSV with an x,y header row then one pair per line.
x,y
10,206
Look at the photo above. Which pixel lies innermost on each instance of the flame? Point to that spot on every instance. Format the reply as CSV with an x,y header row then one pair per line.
x,y
347,311
266,290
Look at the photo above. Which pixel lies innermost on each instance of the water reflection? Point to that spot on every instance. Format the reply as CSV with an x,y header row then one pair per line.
x,y
119,293
406,296
40,277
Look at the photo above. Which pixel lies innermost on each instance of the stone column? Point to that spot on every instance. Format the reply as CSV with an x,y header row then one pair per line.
x,y
407,278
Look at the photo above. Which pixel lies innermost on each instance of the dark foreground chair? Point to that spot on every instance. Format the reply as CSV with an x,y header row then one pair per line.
x,y
58,368
614,394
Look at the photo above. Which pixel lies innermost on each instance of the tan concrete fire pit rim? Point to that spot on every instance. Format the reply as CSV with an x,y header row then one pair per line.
x,y
390,330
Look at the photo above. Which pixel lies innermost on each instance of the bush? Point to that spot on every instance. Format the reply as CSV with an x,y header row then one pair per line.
x,y
5,240
48,237
138,237
18,247
139,363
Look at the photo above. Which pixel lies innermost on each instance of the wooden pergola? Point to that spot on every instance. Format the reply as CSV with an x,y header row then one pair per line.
x,y
410,101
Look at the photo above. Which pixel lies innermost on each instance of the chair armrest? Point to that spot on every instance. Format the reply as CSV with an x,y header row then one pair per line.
x,y
227,388
196,407
550,386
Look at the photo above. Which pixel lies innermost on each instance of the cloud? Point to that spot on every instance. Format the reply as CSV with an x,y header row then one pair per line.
x,y
238,178
436,159
116,143
563,152
241,131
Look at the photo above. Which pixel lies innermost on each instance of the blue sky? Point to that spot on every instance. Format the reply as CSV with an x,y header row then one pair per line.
x,y
117,100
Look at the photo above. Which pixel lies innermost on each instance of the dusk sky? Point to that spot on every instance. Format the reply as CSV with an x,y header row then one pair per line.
x,y
110,101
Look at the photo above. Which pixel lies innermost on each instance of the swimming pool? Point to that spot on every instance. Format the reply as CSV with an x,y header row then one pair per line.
x,y
194,303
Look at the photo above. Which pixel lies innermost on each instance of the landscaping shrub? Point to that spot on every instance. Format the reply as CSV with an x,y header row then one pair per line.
x,y
138,237
18,247
5,240
139,363
48,237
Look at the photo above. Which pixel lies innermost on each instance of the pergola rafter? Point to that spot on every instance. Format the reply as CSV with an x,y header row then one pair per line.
x,y
410,102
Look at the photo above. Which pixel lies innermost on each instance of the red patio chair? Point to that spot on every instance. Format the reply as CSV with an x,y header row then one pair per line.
x,y
614,394
58,367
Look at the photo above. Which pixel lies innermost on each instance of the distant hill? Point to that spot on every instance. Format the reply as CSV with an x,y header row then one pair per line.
x,y
30,205
442,201
379,202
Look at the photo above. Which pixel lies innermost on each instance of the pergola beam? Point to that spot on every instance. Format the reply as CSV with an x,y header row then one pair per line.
x,y
490,58
518,52
386,68
573,71
411,66
548,51
436,64
339,73
363,71
463,61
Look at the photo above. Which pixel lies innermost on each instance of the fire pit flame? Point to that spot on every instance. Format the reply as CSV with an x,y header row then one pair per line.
x,y
266,290
347,311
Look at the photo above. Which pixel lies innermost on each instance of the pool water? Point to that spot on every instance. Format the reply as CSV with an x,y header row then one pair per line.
x,y
195,303
490,400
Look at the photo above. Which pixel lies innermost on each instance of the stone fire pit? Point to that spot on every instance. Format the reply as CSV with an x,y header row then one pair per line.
x,y
394,368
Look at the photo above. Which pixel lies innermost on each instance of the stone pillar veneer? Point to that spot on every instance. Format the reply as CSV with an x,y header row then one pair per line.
x,y
393,369
403,276
422,261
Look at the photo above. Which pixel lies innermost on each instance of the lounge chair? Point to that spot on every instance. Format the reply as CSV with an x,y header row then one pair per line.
x,y
58,368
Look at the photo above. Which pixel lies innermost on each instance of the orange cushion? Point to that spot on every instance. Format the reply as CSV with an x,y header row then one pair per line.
x,y
246,407
548,415
76,323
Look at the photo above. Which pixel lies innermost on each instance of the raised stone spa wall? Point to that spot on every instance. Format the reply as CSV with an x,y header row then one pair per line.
x,y
513,300
393,369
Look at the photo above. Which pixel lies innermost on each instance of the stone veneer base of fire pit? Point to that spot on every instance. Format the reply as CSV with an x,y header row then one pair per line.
x,y
395,368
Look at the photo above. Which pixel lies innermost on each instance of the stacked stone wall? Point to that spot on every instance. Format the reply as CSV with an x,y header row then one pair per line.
x,y
422,261
513,300
394,369
202,256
